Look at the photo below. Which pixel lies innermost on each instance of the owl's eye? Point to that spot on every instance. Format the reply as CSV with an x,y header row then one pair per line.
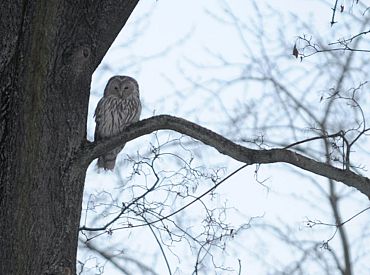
x,y
116,88
126,88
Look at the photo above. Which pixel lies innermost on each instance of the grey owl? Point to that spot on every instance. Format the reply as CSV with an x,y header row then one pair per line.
x,y
119,107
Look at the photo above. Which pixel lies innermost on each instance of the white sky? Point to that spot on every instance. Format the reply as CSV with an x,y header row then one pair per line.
x,y
187,31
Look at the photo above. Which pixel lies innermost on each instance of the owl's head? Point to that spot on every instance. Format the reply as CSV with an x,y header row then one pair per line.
x,y
121,86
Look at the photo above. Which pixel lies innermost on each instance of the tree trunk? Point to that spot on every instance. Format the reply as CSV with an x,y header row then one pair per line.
x,y
48,52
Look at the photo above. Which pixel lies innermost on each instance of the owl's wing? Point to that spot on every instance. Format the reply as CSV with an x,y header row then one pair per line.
x,y
99,116
96,134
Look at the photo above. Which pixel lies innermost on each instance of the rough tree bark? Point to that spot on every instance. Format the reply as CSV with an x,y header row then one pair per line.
x,y
48,52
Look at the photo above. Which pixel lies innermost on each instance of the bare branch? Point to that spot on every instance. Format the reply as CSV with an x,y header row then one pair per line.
x,y
349,40
224,146
106,19
332,22
120,260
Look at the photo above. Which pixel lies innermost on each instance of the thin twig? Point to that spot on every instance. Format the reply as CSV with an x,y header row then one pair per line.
x,y
333,16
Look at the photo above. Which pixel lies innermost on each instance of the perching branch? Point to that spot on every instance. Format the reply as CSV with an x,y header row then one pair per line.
x,y
225,146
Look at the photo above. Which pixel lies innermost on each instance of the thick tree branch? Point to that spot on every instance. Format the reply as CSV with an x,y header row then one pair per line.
x,y
107,18
224,146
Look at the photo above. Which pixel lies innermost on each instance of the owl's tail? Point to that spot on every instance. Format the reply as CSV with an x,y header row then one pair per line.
x,y
108,160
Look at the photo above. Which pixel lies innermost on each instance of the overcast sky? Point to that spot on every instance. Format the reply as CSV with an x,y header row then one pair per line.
x,y
168,44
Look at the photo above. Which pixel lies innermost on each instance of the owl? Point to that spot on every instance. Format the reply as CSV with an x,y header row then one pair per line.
x,y
119,107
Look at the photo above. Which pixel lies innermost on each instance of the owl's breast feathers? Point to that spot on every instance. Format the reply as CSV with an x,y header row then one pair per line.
x,y
114,113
